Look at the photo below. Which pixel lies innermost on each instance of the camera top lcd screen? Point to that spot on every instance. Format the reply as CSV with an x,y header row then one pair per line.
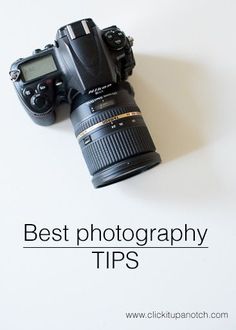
x,y
38,67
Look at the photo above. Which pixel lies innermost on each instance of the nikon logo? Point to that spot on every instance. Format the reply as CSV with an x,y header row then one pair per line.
x,y
98,90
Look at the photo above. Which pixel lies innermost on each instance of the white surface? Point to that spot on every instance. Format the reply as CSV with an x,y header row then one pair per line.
x,y
185,84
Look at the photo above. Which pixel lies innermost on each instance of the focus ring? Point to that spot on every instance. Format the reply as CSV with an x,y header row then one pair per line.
x,y
99,117
117,146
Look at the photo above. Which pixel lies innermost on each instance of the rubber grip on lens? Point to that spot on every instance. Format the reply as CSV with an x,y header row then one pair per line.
x,y
117,146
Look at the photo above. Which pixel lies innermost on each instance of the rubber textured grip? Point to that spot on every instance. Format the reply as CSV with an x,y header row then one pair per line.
x,y
117,146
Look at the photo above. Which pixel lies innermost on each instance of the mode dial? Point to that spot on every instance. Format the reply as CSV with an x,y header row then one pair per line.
x,y
115,39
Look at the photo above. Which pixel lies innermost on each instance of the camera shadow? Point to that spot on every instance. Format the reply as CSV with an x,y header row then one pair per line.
x,y
176,100
63,122
165,91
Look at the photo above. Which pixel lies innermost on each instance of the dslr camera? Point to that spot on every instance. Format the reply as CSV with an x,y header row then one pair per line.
x,y
88,68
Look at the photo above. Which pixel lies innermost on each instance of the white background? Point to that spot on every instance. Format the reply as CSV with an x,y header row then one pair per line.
x,y
185,83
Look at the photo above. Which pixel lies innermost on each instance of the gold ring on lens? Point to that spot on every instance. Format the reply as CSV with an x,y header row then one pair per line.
x,y
108,121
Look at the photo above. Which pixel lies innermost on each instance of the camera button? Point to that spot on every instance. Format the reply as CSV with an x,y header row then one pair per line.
x,y
87,140
28,92
36,51
109,35
118,41
48,46
58,83
40,101
42,87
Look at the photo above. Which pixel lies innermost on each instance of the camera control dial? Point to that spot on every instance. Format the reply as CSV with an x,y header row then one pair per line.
x,y
39,102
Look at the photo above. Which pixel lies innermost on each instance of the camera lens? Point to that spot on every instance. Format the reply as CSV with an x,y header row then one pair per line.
x,y
112,134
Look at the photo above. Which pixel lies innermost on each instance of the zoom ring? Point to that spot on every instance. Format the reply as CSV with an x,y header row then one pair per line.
x,y
106,114
117,146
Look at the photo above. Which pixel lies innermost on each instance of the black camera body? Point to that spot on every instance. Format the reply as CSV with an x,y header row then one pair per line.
x,y
88,68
